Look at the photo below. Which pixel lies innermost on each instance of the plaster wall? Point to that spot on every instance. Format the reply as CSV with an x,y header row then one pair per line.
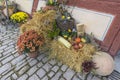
x,y
97,23
24,5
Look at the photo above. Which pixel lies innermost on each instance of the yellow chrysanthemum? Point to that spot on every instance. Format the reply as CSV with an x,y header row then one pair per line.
x,y
19,17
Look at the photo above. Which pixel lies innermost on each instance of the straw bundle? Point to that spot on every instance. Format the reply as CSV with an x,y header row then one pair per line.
x,y
70,57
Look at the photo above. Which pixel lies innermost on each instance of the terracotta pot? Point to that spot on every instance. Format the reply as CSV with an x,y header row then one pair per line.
x,y
33,54
19,52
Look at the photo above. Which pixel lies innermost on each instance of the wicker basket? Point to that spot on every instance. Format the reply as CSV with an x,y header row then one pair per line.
x,y
65,24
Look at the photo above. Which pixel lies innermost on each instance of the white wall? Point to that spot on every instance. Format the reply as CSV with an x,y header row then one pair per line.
x,y
96,22
24,5
41,4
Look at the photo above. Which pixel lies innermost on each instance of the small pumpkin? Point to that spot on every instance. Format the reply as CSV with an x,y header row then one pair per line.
x,y
80,45
76,47
63,17
85,39
104,63
77,40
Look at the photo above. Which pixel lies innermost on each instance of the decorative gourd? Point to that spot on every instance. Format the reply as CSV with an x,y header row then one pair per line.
x,y
77,40
85,39
64,41
104,63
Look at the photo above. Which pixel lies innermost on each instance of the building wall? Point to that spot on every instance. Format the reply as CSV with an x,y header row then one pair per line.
x,y
24,5
96,22
41,3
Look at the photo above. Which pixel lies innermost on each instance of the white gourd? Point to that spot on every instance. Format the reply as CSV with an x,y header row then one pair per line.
x,y
64,41
104,63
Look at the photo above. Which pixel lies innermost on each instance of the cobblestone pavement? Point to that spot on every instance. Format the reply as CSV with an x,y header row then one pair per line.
x,y
15,67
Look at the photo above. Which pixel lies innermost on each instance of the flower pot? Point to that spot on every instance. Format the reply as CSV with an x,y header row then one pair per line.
x,y
33,54
19,52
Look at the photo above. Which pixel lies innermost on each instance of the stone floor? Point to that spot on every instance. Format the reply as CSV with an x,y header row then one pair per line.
x,y
15,67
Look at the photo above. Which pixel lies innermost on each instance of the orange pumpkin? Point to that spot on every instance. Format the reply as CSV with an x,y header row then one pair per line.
x,y
77,40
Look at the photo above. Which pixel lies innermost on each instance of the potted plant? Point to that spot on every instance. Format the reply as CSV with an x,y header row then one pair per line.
x,y
19,17
29,42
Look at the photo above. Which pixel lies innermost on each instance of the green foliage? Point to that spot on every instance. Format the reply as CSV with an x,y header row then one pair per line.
x,y
51,2
55,32
87,39
68,34
27,50
65,34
